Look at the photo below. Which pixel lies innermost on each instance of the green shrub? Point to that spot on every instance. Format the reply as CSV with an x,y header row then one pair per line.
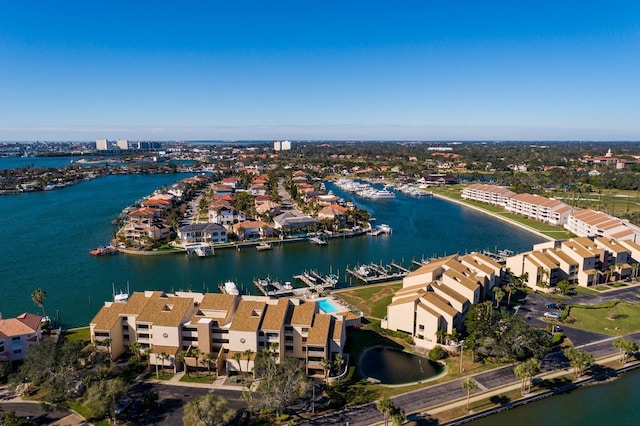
x,y
557,339
437,353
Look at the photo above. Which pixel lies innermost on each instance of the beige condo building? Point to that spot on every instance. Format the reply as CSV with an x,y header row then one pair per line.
x,y
165,324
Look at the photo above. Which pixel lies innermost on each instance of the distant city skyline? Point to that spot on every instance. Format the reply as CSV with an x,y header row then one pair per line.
x,y
357,70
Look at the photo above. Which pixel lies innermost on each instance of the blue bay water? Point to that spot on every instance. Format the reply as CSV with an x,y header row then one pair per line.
x,y
46,238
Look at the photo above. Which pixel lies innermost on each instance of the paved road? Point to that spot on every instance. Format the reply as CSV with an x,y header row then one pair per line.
x,y
419,401
172,398
33,411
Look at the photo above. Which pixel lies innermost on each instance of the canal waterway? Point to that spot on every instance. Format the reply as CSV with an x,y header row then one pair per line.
x,y
613,403
46,238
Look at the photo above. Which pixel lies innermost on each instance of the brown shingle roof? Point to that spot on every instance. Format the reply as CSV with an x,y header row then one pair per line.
x,y
319,333
303,314
275,315
248,316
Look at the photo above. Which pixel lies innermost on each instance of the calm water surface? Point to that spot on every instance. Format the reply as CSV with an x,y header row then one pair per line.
x,y
46,238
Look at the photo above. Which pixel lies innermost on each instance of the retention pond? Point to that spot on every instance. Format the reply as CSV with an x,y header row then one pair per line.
x,y
395,367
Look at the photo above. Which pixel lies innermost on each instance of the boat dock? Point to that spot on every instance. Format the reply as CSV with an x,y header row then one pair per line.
x,y
200,250
317,240
269,287
317,282
373,274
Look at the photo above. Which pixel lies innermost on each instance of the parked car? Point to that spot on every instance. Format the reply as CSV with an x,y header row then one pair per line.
x,y
552,315
123,406
553,306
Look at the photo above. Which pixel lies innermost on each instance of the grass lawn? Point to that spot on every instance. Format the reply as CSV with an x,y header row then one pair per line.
x,y
81,409
78,334
198,379
371,300
626,319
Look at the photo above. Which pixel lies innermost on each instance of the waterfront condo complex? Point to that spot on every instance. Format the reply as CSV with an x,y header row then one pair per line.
x,y
222,324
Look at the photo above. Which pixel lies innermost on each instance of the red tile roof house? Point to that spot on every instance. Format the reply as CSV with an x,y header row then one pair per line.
x,y
17,334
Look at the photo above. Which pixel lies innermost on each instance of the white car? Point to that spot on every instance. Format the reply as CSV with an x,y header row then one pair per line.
x,y
552,315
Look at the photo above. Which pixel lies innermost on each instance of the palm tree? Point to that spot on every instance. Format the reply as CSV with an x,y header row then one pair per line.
x,y
195,352
510,288
147,353
564,286
38,297
181,358
237,356
498,294
326,365
247,354
526,371
634,270
469,385
385,406
208,359
398,416
135,349
339,362
626,348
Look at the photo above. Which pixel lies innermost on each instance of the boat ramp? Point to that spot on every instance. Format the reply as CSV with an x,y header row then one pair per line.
x,y
373,274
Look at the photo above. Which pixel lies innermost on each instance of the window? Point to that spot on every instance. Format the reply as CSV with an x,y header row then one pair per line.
x,y
421,327
304,340
125,328
17,351
288,349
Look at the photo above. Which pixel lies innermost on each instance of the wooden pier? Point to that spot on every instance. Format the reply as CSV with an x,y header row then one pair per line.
x,y
317,282
275,289
373,274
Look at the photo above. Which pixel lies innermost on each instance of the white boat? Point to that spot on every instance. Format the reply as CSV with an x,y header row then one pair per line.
x,y
121,297
230,288
317,240
381,194
263,246
384,228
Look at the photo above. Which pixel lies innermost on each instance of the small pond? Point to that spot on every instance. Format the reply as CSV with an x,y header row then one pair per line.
x,y
395,367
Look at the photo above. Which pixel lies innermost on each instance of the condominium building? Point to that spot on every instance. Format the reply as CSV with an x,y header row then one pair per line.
x,y
220,324
590,223
435,298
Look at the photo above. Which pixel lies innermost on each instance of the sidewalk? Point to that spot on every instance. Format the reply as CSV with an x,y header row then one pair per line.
x,y
219,383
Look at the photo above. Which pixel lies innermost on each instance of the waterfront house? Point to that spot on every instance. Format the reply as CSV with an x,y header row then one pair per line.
x,y
202,233
252,229
290,224
334,212
223,213
17,335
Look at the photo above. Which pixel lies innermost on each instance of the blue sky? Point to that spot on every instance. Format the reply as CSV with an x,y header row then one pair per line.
x,y
423,70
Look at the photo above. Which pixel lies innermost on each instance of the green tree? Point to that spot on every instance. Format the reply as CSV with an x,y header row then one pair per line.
x,y
280,383
326,366
398,416
38,296
195,353
498,295
469,385
181,358
564,286
237,356
580,360
208,358
625,348
247,355
510,289
103,396
526,371
385,406
208,410
338,363
135,349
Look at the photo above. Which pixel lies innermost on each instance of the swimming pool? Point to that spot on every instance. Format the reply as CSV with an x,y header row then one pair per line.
x,y
327,307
